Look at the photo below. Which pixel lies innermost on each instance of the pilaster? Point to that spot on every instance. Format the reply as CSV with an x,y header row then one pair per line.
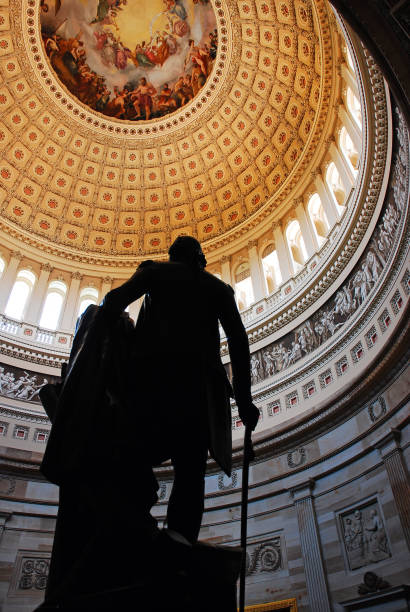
x,y
4,517
316,583
391,453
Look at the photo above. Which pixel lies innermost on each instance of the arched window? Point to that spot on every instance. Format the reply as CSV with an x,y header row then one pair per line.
x,y
20,293
348,149
296,245
88,295
53,304
336,186
318,217
353,106
271,269
243,286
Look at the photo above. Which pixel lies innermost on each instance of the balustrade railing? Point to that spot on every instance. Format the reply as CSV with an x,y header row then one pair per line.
x,y
35,335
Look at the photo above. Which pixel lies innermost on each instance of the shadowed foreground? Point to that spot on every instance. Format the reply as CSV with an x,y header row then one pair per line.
x,y
168,575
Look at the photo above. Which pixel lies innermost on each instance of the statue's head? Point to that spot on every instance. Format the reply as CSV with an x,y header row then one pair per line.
x,y
187,249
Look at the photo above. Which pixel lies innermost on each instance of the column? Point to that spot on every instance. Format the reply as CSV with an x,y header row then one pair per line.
x,y
9,277
38,295
316,582
69,314
329,205
105,287
342,166
256,272
352,128
226,269
350,80
308,233
390,450
282,249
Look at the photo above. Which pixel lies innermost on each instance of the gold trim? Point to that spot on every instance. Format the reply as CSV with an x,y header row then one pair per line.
x,y
274,605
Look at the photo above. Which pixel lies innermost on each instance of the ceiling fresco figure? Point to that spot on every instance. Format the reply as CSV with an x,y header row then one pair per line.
x,y
102,52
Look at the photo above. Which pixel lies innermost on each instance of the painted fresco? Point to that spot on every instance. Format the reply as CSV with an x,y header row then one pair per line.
x,y
130,59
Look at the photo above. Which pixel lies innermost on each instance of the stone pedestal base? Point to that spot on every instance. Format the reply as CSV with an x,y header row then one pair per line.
x,y
199,578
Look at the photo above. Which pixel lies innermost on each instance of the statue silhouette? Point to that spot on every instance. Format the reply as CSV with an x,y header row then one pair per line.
x,y
184,387
133,398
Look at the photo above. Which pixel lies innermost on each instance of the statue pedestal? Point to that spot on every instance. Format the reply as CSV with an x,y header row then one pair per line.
x,y
395,599
176,576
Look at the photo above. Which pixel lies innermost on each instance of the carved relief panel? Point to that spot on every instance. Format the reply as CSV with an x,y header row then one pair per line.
x,y
30,575
265,557
363,534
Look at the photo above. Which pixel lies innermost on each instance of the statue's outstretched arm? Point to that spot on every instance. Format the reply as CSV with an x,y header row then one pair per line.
x,y
140,282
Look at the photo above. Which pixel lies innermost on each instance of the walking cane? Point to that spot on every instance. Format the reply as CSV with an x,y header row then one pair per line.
x,y
248,456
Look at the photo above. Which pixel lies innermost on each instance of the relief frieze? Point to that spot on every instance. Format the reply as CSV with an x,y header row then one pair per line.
x,y
357,288
22,384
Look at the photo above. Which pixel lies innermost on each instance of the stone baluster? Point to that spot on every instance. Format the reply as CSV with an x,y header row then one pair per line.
x,y
346,173
306,227
256,272
69,313
105,286
391,452
226,273
284,256
328,202
9,278
37,297
316,582
353,129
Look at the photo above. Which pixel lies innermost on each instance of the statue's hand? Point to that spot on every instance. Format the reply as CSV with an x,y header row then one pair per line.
x,y
249,415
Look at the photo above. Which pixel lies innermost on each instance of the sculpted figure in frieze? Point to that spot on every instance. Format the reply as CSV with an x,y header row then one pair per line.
x,y
364,536
19,384
355,291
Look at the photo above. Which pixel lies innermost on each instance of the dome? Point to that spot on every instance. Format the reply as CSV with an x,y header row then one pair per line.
x,y
216,164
